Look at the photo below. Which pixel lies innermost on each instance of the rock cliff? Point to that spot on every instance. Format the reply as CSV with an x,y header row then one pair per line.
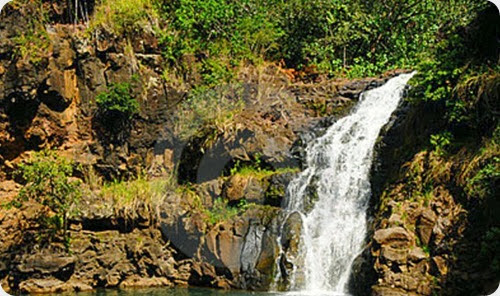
x,y
191,234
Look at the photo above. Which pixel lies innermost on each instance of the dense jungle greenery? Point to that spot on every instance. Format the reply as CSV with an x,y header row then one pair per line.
x,y
347,38
353,38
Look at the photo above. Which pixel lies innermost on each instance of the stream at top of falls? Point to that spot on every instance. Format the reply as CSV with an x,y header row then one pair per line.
x,y
337,167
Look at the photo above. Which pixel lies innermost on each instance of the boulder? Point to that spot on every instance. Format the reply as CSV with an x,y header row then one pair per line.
x,y
417,254
52,285
394,254
291,243
244,187
394,236
47,264
425,225
202,274
440,265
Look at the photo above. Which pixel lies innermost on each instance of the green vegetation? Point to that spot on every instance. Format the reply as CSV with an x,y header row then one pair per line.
x,y
32,43
488,255
212,39
461,73
212,109
222,211
117,101
354,38
133,192
261,173
246,168
218,212
441,141
483,183
48,183
123,16
256,169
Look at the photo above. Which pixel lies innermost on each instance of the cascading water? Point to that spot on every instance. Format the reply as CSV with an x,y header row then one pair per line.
x,y
338,165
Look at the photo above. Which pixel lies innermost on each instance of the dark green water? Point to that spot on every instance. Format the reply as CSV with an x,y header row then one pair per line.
x,y
193,292
169,292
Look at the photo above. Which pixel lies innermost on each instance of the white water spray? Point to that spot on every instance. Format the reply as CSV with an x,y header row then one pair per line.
x,y
334,230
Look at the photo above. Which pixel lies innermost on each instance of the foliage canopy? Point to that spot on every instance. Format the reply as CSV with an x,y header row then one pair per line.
x,y
48,183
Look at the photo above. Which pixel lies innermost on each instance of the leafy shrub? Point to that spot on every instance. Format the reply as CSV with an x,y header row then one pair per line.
x,y
215,71
118,101
441,141
48,182
483,184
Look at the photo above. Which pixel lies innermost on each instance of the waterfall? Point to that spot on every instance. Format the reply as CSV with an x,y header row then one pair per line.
x,y
337,167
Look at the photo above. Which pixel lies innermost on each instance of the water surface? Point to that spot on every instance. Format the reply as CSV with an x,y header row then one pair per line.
x,y
185,292
170,292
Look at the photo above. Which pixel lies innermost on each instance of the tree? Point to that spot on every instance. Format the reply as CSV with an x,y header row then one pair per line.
x,y
48,183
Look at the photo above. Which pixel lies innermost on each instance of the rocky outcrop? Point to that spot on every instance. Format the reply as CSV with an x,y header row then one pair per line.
x,y
411,233
51,103
235,253
96,257
422,218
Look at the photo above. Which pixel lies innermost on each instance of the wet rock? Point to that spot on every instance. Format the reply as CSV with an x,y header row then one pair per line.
x,y
276,190
266,261
260,251
251,249
290,242
353,90
311,194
